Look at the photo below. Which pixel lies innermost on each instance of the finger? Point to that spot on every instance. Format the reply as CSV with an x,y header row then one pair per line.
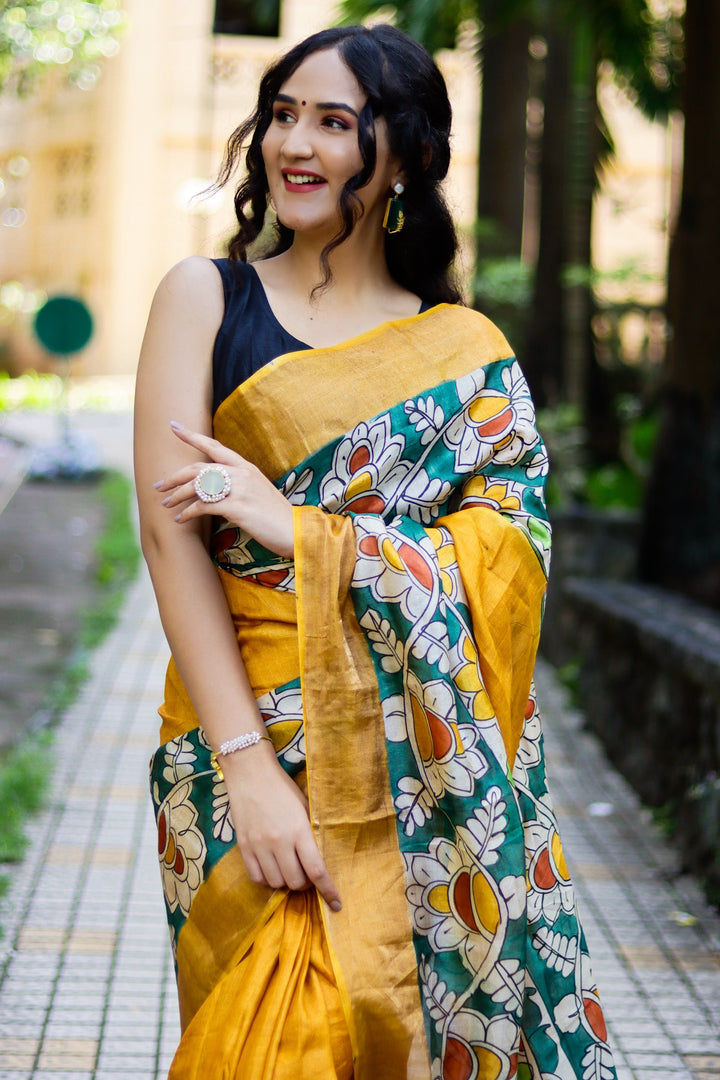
x,y
206,445
271,871
181,493
291,869
182,476
314,866
195,509
254,870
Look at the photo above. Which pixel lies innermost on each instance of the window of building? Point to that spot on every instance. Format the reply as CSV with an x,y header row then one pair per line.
x,y
261,17
74,178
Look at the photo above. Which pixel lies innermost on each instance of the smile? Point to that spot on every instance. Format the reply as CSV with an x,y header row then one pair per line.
x,y
296,180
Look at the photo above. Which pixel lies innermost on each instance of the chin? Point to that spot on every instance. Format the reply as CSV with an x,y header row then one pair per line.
x,y
319,226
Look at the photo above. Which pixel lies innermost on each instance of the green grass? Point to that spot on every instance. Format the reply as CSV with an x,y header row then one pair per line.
x,y
118,557
23,785
26,768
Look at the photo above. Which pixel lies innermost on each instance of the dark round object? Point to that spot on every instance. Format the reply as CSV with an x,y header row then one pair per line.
x,y
64,325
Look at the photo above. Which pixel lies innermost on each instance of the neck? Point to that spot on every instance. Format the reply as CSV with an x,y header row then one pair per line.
x,y
358,264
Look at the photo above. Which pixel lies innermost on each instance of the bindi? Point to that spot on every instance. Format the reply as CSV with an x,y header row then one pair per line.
x,y
304,103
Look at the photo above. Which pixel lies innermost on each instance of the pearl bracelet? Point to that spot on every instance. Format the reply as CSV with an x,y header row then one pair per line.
x,y
240,742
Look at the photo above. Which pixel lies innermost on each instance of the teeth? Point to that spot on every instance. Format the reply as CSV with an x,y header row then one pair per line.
x,y
302,178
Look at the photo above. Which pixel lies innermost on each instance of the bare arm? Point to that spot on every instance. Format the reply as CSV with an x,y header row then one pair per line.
x,y
175,383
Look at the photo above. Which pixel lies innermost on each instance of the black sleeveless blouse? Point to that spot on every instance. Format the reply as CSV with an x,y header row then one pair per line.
x,y
249,336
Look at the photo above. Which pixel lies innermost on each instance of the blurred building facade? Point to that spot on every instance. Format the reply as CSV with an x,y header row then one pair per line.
x,y
102,182
99,185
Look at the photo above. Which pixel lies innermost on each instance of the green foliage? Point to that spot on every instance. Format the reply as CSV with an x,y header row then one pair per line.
x,y
564,436
23,785
643,44
617,485
504,281
74,35
25,768
43,392
665,818
502,289
613,487
118,557
67,686
642,437
434,23
29,391
569,676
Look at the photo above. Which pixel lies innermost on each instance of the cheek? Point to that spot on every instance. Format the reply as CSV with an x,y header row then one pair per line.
x,y
271,144
267,148
344,165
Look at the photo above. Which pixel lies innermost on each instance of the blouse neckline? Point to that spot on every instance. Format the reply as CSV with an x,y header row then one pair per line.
x,y
303,344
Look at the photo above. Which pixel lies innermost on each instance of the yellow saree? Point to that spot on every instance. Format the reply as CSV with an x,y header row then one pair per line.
x,y
392,660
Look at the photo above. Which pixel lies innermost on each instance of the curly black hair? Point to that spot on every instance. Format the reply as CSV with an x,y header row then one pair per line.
x,y
405,87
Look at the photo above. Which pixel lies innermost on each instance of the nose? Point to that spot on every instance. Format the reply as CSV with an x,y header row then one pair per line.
x,y
297,142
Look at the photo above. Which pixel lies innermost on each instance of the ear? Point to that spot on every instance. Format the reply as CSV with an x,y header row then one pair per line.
x,y
427,155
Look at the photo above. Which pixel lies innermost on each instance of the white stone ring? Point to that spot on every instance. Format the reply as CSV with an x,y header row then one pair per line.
x,y
212,483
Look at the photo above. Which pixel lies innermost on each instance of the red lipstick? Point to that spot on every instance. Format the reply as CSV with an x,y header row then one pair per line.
x,y
302,180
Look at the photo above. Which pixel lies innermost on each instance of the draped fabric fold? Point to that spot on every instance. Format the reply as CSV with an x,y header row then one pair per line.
x,y
392,661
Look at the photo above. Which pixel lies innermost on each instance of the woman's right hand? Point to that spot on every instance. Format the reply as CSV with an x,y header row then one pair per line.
x,y
272,827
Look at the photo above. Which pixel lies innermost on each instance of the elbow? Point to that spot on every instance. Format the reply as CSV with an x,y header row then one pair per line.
x,y
162,543
154,544
150,543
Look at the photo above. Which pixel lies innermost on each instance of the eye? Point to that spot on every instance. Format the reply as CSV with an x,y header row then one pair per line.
x,y
335,123
283,116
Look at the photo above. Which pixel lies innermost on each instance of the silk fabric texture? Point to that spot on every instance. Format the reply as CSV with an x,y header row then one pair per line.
x,y
392,660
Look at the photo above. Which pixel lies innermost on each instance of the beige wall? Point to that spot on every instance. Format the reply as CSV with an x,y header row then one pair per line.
x,y
109,168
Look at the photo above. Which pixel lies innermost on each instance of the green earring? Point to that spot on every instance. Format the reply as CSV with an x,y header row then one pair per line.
x,y
394,215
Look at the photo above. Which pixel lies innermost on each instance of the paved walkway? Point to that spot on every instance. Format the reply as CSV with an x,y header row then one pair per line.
x,y
86,985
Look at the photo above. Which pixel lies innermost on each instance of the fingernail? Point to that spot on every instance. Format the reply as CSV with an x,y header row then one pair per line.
x,y
336,905
158,484
175,425
165,501
177,518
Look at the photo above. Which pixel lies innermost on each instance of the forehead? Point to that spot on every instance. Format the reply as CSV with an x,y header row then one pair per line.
x,y
324,76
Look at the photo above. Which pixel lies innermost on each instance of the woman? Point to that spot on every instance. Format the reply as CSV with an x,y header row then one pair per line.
x,y
361,865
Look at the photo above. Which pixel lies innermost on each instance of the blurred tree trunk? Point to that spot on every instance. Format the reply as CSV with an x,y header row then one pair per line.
x,y
560,360
587,384
544,359
501,173
680,546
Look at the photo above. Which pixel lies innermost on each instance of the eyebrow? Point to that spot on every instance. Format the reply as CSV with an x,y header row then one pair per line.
x,y
324,106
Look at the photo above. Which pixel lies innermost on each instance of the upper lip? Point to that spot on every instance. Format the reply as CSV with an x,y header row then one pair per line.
x,y
301,172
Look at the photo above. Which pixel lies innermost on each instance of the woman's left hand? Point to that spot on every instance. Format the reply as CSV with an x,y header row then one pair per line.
x,y
253,502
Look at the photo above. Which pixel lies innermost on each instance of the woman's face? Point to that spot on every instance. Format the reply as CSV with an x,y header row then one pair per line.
x,y
311,147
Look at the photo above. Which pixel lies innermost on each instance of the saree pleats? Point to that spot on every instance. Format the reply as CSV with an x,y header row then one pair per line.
x,y
392,662
277,1014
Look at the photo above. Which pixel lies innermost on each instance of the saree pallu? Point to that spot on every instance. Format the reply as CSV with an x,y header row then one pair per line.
x,y
392,661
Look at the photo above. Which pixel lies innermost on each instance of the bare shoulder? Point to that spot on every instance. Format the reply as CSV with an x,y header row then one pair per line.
x,y
186,314
192,287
